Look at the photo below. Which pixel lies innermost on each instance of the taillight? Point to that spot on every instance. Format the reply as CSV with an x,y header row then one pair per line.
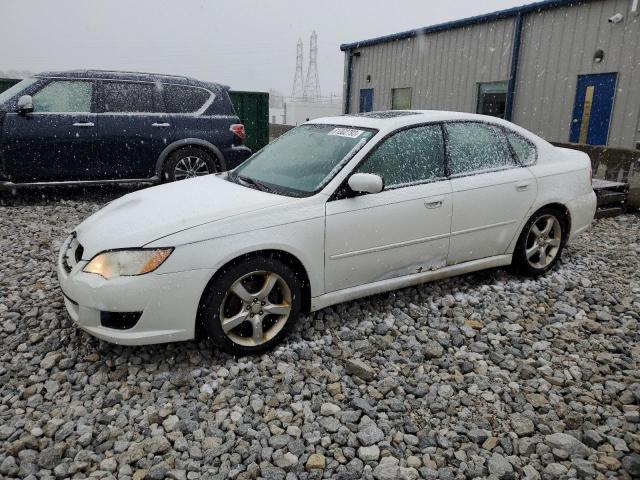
x,y
238,130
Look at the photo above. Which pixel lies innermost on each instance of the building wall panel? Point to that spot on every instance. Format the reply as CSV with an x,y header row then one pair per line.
x,y
558,45
444,68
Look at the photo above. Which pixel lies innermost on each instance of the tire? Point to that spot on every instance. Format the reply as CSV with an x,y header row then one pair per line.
x,y
546,231
188,162
236,297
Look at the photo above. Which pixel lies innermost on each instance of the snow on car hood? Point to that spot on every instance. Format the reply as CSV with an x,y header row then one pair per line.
x,y
139,218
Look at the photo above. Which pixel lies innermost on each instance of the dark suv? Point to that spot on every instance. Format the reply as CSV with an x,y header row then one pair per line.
x,y
103,126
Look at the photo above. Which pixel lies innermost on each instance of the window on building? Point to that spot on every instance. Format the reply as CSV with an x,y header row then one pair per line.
x,y
400,98
409,156
64,97
492,98
128,97
476,147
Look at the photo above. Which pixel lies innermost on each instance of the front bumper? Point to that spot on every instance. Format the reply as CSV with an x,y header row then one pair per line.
x,y
168,302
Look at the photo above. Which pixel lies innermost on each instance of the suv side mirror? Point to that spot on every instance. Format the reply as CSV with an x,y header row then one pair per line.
x,y
25,104
365,183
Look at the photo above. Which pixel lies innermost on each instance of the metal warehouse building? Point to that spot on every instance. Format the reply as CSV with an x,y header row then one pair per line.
x,y
567,70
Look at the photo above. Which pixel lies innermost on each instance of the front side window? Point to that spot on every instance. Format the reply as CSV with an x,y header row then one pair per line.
x,y
476,147
128,97
400,99
179,99
492,99
14,90
410,156
64,96
525,151
304,159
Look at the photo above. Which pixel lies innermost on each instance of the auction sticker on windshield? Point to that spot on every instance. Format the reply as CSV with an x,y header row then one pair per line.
x,y
346,132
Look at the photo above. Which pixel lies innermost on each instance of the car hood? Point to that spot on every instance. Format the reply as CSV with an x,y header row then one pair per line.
x,y
139,218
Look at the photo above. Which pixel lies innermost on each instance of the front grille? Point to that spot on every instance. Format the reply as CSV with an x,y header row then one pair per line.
x,y
72,254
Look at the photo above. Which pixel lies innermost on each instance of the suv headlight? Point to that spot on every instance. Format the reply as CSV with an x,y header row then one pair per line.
x,y
119,263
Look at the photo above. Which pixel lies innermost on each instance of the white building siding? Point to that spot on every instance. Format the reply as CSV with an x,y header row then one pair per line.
x,y
444,68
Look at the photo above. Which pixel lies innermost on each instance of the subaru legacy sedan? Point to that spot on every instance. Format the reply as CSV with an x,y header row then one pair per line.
x,y
338,208
97,126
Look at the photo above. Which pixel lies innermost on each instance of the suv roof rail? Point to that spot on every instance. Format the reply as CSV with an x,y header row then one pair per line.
x,y
139,73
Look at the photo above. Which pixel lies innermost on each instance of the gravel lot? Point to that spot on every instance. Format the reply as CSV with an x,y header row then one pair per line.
x,y
486,374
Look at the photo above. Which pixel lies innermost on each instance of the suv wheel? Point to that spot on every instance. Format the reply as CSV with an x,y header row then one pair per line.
x,y
250,308
189,162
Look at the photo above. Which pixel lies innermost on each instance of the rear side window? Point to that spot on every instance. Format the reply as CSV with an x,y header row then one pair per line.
x,y
525,151
180,99
65,96
476,147
410,156
128,97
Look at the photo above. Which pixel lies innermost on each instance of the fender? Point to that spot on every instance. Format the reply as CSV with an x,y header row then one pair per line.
x,y
188,142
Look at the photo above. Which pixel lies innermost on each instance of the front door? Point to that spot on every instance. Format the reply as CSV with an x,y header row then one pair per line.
x,y
491,192
132,132
400,231
366,100
592,108
57,141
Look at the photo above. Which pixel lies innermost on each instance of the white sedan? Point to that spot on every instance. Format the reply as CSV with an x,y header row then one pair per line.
x,y
336,209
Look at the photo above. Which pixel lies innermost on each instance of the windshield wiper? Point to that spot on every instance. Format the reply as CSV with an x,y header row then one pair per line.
x,y
255,183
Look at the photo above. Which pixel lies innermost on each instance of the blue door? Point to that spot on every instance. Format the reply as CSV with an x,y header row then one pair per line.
x,y
366,99
592,108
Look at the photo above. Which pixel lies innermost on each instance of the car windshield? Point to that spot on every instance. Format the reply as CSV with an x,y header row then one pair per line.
x,y
304,160
17,88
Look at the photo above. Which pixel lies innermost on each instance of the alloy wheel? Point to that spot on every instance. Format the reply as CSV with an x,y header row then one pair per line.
x,y
190,167
255,308
543,241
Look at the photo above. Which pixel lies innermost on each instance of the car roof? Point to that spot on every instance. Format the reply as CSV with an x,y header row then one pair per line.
x,y
387,121
391,119
131,76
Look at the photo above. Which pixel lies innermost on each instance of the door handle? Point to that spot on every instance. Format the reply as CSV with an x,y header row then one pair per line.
x,y
433,202
84,124
160,125
522,186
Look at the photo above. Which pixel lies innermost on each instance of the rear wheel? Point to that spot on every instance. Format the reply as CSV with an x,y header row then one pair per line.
x,y
189,162
250,308
541,242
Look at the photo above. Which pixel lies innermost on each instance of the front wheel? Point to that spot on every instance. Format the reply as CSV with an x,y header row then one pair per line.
x,y
541,242
250,308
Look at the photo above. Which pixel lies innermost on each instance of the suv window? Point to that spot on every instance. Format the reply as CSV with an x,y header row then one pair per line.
x,y
179,99
476,147
64,96
128,97
525,151
409,156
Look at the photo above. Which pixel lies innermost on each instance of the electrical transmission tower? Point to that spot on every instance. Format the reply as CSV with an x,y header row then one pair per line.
x,y
298,85
312,84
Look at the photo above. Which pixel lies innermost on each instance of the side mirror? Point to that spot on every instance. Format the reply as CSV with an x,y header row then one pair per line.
x,y
25,104
365,183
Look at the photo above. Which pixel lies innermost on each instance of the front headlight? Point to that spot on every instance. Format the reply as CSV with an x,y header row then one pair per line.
x,y
118,263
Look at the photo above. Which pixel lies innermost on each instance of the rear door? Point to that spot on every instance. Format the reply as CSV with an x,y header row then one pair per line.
x,y
492,192
57,142
191,112
132,128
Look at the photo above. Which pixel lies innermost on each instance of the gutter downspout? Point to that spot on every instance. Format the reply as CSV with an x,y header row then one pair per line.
x,y
515,57
347,96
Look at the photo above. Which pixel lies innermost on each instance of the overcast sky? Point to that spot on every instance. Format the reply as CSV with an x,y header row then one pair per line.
x,y
248,44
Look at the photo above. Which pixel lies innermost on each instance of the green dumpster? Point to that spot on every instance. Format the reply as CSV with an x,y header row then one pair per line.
x,y
253,110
